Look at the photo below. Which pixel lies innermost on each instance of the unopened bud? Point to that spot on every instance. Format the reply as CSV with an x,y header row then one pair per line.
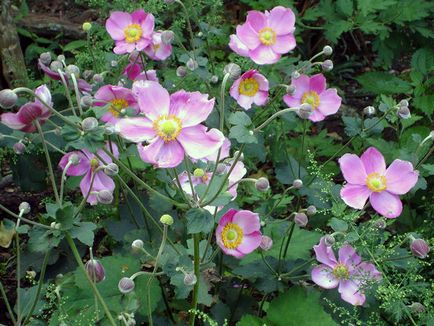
x,y
19,148
214,79
95,270
301,219
266,243
86,26
221,168
87,74
305,111
311,210
113,63
98,78
329,240
74,159
190,279
369,111
327,65
419,248
200,34
24,207
290,90
295,74
167,37
327,50
89,124
297,184
73,69
126,285
403,103
86,101
111,169
199,173
109,129
181,71
45,58
233,70
417,308
137,245
104,197
8,98
56,65
166,219
61,57
262,184
380,224
404,112
192,64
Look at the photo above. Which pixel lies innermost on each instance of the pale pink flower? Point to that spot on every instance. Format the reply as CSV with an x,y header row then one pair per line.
x,y
251,87
158,50
349,272
367,177
312,90
171,125
264,37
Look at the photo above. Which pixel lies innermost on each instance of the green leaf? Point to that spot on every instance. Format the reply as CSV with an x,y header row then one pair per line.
x,y
74,45
345,7
368,6
299,306
334,29
338,225
242,134
7,232
423,60
83,231
425,104
199,220
378,82
65,216
249,320
240,118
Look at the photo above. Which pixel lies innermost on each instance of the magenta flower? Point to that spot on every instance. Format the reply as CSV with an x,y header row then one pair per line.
x,y
251,87
349,272
118,98
148,75
158,50
30,112
367,177
313,91
238,232
90,167
264,37
171,126
130,31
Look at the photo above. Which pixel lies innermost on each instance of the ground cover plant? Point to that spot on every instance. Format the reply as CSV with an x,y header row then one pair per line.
x,y
210,163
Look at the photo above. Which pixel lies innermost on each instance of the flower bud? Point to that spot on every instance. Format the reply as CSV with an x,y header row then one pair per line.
x,y
8,98
301,219
166,219
403,103
95,270
167,37
327,50
214,79
200,34
19,148
126,285
181,71
295,74
56,65
297,184
311,210
417,308
109,129
61,57
45,58
305,111
404,112
137,245
262,184
290,90
327,65
74,159
89,124
198,173
192,64
24,207
419,248
111,169
233,70
86,101
87,74
380,224
329,240
241,156
190,279
221,168
98,78
369,111
113,63
73,69
104,197
86,26
266,243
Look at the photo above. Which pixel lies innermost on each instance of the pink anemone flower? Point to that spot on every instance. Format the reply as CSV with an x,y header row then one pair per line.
x,y
171,125
118,98
264,37
130,31
349,272
251,87
90,166
367,177
158,50
30,112
238,232
313,91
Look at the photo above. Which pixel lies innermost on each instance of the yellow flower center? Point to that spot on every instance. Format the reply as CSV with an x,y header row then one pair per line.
x,y
311,98
117,105
94,164
341,272
132,33
267,36
248,87
167,127
232,235
376,182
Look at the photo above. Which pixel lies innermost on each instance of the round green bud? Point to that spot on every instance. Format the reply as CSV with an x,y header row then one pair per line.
x,y
87,26
199,173
166,219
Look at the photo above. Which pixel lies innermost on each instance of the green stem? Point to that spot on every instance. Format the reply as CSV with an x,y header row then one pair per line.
x,y
302,148
24,219
196,239
297,268
77,93
68,96
8,306
268,264
210,236
18,274
274,116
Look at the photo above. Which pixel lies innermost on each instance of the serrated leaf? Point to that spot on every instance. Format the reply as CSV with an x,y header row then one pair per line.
x,y
378,82
199,220
345,7
83,231
338,225
423,60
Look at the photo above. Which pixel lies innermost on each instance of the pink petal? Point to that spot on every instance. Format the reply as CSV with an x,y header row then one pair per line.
x,y
141,44
322,275
284,44
316,116
234,91
227,217
116,24
191,107
223,153
366,272
260,98
250,242
291,101
281,20
262,81
132,71
386,204
349,257
44,94
317,83
302,85
50,73
148,75
248,221
136,130
153,99
350,293
400,177
81,168
12,121
324,254
245,101
198,142
355,196
237,46
147,23
123,47
373,161
29,112
329,102
264,55
104,93
112,148
353,169
248,36
161,154
256,19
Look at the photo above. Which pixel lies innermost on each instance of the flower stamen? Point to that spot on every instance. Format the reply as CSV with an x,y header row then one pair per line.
x,y
167,127
232,236
133,33
267,36
117,105
311,98
376,182
248,87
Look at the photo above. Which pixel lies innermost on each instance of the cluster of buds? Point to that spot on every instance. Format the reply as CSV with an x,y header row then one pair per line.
x,y
403,110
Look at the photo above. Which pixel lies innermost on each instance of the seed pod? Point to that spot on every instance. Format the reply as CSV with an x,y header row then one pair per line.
x,y
262,184
266,243
419,248
95,270
126,285
301,219
8,98
233,70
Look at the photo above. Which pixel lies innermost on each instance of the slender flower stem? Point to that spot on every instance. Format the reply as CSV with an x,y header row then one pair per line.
x,y
62,180
208,243
178,184
196,240
68,96
187,168
91,283
8,306
55,147
424,158
280,200
300,159
77,93
18,275
190,29
268,264
23,218
274,116
297,268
